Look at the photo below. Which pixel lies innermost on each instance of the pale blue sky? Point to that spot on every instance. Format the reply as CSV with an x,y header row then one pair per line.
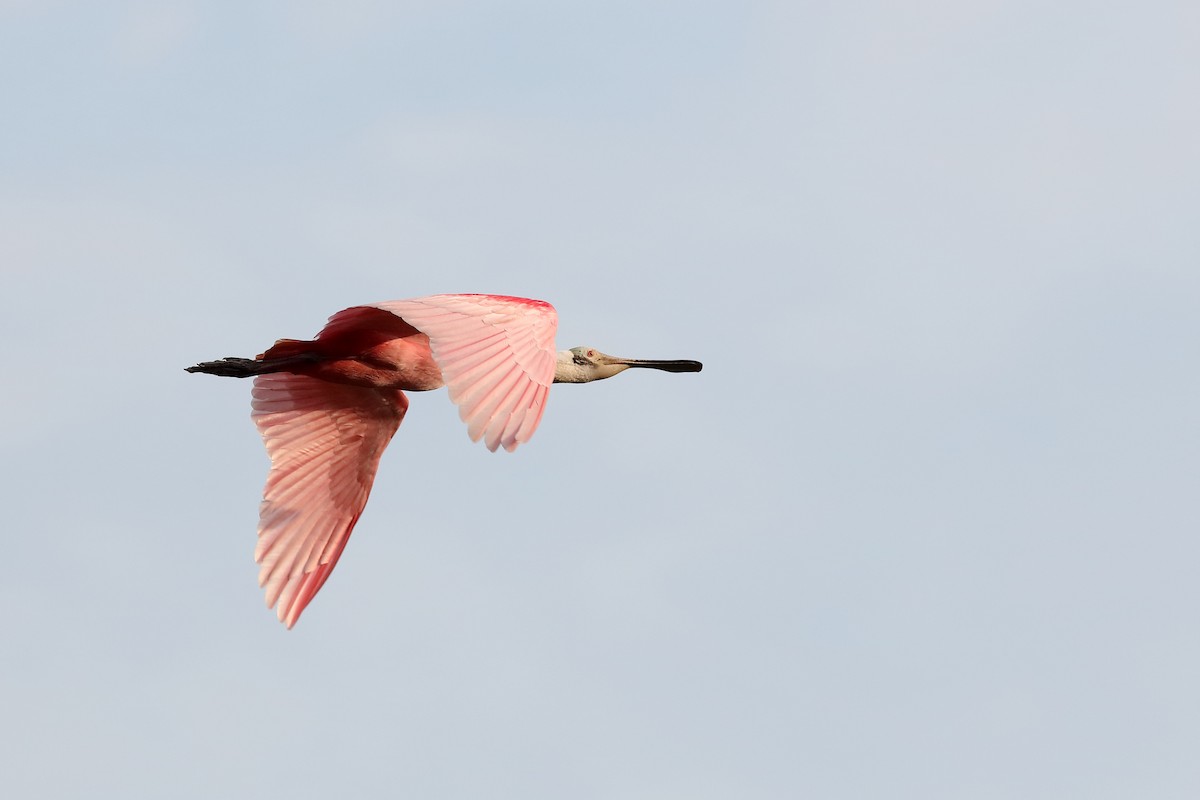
x,y
925,527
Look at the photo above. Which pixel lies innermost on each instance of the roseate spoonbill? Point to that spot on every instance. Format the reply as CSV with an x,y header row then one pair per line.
x,y
327,408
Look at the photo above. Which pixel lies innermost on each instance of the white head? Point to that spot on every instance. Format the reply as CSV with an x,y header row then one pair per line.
x,y
584,364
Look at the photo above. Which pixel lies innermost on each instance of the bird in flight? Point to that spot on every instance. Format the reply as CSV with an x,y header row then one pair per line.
x,y
326,409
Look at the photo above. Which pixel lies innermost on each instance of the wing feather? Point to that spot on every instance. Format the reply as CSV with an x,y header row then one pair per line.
x,y
513,422
496,355
324,440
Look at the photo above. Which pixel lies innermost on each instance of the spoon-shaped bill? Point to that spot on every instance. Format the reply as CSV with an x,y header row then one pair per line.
x,y
669,365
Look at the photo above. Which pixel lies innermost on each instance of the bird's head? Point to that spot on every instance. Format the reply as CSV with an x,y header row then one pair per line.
x,y
584,364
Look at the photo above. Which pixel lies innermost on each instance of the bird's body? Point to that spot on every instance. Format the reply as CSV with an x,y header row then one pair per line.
x,y
327,408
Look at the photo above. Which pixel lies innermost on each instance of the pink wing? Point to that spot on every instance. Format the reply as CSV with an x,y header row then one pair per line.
x,y
324,440
496,355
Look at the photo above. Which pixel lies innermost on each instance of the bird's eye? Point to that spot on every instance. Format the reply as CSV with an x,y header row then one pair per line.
x,y
591,353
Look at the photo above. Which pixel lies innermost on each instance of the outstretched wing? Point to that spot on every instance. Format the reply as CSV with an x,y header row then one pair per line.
x,y
324,440
496,355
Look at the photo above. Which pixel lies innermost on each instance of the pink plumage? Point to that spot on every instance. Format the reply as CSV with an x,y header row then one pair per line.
x,y
496,355
328,407
324,440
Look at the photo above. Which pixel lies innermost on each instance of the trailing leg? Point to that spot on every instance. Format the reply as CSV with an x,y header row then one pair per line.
x,y
233,367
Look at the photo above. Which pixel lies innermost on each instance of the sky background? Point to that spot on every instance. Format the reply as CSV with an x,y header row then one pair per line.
x,y
925,526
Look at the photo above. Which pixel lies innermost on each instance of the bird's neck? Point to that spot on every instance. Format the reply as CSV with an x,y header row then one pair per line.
x,y
567,371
